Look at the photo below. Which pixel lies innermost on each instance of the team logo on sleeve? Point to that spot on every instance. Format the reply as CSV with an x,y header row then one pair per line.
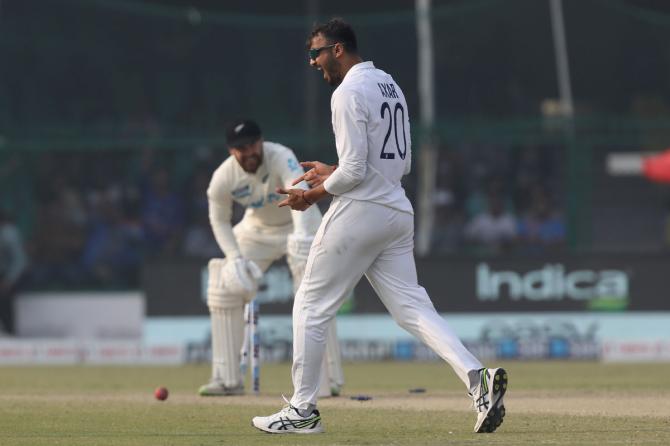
x,y
242,192
293,164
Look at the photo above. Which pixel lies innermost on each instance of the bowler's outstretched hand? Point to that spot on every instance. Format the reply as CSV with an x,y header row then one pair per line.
x,y
318,173
295,199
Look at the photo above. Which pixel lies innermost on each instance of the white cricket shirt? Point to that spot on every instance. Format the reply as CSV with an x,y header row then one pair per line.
x,y
372,136
256,192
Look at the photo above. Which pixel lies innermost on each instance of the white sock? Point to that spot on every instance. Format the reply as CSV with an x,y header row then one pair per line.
x,y
306,412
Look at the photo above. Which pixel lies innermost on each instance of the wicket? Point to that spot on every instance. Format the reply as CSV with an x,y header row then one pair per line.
x,y
251,344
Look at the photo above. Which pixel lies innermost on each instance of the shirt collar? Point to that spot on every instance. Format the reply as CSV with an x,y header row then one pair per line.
x,y
367,65
263,168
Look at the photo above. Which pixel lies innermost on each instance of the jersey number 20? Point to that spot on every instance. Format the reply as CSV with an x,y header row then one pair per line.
x,y
393,122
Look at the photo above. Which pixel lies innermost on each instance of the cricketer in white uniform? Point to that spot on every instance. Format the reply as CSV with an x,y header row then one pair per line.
x,y
266,232
368,230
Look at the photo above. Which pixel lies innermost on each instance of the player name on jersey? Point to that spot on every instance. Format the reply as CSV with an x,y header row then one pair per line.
x,y
388,90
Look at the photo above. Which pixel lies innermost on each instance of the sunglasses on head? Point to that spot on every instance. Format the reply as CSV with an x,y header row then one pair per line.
x,y
314,52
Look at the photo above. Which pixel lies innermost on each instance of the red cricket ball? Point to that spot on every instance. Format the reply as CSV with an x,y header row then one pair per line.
x,y
161,393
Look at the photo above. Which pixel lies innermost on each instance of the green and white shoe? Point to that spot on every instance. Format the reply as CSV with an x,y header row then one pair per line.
x,y
487,398
289,421
335,390
331,391
216,388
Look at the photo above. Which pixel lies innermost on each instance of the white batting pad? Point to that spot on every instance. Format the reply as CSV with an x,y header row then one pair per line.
x,y
297,250
298,245
227,338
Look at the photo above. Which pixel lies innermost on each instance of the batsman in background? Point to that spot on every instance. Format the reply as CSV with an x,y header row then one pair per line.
x,y
266,233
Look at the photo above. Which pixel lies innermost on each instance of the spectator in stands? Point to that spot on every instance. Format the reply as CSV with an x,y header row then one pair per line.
x,y
477,201
113,248
13,264
542,228
162,214
448,203
449,221
199,241
531,166
59,237
493,230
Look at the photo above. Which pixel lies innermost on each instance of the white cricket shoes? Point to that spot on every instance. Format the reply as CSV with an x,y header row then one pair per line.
x,y
289,421
335,390
487,398
216,388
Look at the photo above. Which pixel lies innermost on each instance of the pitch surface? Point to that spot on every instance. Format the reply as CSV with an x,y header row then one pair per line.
x,y
547,403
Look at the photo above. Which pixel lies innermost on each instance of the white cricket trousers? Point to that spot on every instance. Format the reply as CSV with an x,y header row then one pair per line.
x,y
356,238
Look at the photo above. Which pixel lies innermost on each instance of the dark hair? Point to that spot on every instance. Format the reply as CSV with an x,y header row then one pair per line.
x,y
336,30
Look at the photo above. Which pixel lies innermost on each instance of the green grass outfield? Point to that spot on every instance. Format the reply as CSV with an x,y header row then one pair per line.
x,y
547,403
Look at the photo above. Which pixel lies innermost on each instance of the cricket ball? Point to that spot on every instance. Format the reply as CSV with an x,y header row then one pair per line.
x,y
161,393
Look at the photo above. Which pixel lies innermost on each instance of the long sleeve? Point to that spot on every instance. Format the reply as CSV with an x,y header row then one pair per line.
x,y
371,125
350,127
304,222
220,215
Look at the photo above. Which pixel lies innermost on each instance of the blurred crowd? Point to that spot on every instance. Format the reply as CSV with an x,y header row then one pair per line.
x,y
491,199
101,214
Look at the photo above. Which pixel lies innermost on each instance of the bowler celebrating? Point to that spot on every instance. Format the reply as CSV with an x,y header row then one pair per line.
x,y
368,230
